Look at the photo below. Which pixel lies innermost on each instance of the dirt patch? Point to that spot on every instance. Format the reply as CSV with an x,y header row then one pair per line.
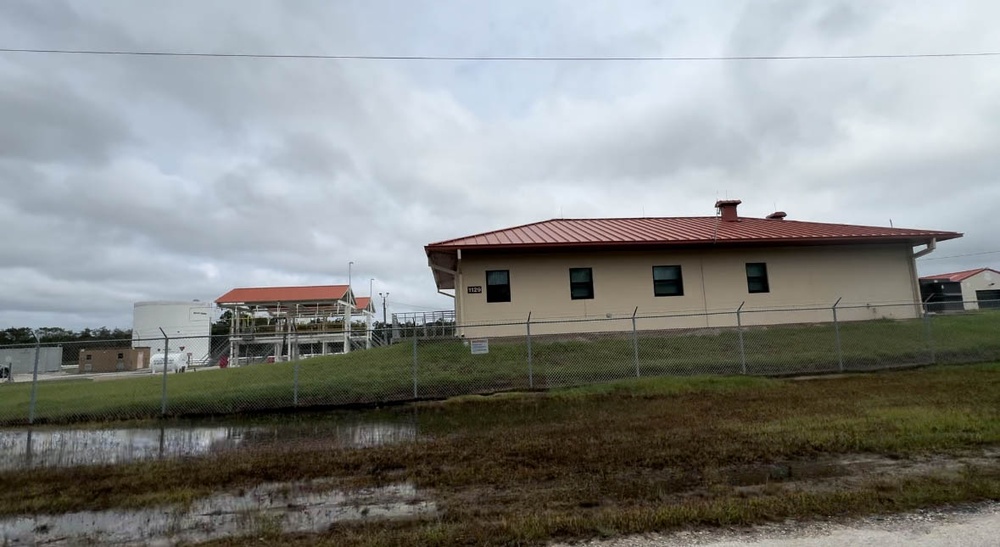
x,y
265,511
849,471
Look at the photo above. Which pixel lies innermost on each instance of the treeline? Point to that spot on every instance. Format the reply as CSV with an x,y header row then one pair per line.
x,y
50,335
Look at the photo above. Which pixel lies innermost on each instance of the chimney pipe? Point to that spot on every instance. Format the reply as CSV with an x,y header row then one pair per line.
x,y
727,207
777,215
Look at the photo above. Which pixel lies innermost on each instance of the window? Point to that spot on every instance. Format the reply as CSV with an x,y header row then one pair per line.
x,y
498,285
757,277
88,357
667,281
581,283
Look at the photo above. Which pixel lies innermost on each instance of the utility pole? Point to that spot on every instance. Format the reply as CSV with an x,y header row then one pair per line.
x,y
384,296
385,331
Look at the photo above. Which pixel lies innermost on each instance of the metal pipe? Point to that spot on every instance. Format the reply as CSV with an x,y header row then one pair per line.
x,y
34,378
531,372
414,365
931,246
166,360
635,342
930,337
836,329
739,329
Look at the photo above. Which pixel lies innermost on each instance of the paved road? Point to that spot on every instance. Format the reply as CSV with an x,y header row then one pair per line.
x,y
972,526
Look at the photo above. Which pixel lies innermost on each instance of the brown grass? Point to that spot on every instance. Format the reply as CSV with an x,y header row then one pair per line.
x,y
637,456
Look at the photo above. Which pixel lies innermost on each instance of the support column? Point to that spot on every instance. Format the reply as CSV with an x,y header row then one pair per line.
x,y
232,339
368,330
347,328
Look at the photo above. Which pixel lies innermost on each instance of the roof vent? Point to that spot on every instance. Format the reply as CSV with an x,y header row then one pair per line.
x,y
777,215
727,207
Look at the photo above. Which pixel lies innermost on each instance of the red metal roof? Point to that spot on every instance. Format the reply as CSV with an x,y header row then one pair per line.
x,y
956,277
261,295
604,232
362,302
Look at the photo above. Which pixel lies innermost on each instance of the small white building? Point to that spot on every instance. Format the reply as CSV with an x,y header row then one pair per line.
x,y
977,289
187,324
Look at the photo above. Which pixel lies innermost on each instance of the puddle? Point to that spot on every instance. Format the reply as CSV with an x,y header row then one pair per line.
x,y
48,447
261,511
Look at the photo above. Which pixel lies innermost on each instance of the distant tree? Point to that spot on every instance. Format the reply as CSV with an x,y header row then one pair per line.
x,y
59,335
15,335
221,327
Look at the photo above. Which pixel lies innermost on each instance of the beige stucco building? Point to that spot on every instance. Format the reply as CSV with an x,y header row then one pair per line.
x,y
592,275
112,360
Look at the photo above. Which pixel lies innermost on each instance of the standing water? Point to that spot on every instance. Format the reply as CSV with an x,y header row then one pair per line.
x,y
67,447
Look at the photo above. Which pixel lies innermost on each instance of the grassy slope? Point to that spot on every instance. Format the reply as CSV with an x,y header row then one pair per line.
x,y
626,457
447,368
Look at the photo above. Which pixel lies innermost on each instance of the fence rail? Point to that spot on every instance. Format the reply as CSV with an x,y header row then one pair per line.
x,y
127,379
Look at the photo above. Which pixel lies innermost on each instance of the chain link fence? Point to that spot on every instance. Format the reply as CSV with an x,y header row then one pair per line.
x,y
138,379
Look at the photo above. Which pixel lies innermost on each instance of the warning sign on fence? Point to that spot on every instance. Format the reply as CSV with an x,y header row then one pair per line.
x,y
480,346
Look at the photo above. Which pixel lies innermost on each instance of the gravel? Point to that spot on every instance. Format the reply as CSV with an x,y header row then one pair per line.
x,y
967,526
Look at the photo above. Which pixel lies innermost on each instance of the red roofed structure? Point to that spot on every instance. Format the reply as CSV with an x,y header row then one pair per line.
x,y
676,231
266,295
974,289
957,277
702,263
292,318
364,304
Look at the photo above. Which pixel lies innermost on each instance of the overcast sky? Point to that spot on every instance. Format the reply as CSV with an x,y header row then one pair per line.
x,y
136,178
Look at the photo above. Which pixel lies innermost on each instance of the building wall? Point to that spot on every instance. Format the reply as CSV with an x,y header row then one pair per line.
x,y
188,324
982,281
112,360
22,360
714,281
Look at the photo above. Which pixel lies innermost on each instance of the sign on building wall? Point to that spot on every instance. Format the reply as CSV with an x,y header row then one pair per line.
x,y
480,346
475,289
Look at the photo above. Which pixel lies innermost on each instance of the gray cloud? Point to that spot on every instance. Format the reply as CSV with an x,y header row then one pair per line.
x,y
129,179
52,123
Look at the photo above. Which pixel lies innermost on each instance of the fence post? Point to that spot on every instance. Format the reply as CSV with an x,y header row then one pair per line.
x,y
531,370
414,363
635,343
739,329
295,385
295,380
34,378
28,450
166,361
930,335
836,330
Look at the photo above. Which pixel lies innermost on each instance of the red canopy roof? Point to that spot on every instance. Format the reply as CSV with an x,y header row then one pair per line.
x,y
956,277
265,295
362,302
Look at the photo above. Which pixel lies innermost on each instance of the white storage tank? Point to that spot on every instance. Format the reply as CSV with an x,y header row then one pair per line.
x,y
187,324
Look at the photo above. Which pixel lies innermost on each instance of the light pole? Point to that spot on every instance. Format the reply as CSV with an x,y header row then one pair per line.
x,y
385,331
371,287
384,296
349,264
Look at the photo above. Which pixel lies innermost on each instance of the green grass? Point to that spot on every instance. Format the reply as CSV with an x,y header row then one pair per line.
x,y
447,368
625,457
